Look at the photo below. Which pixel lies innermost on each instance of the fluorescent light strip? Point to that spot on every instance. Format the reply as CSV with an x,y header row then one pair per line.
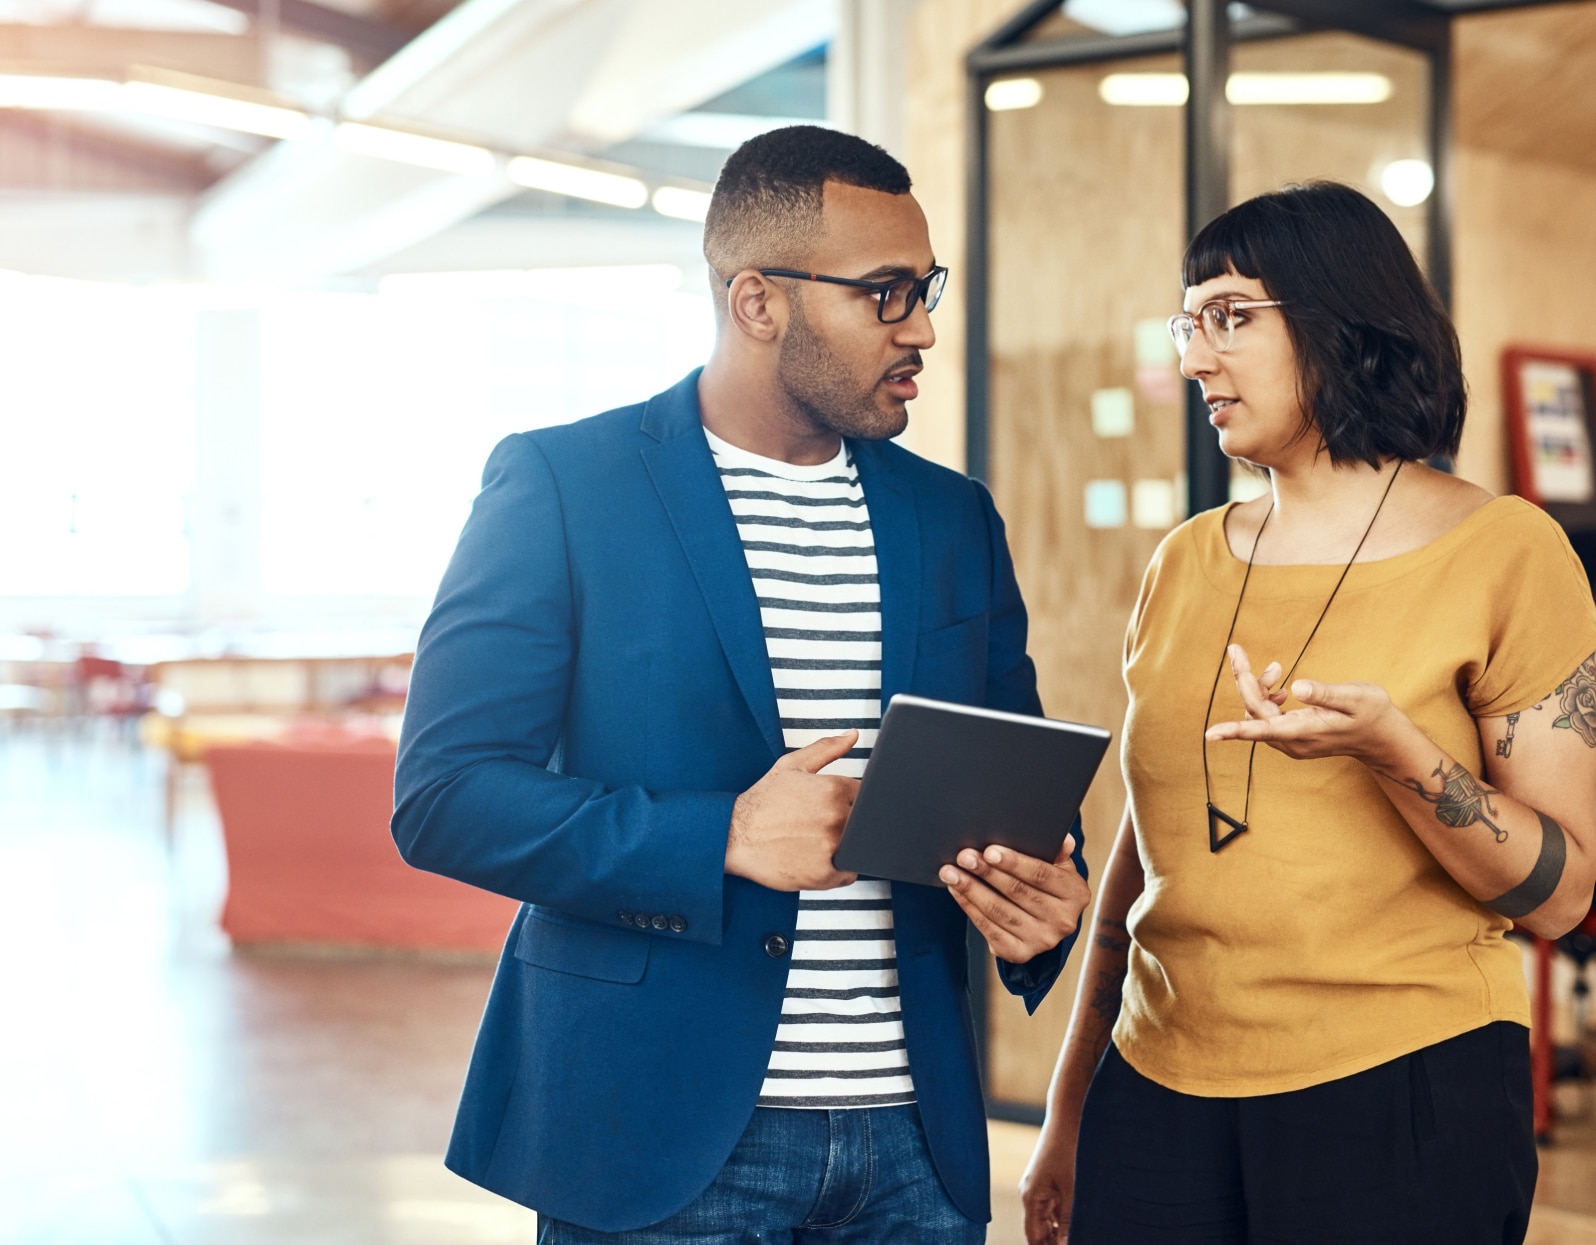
x,y
65,94
403,147
1308,88
680,203
221,111
1165,90
577,182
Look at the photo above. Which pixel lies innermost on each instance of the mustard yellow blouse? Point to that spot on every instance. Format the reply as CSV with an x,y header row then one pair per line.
x,y
1327,939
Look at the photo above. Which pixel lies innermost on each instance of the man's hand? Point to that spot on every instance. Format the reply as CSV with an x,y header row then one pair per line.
x,y
784,829
1022,906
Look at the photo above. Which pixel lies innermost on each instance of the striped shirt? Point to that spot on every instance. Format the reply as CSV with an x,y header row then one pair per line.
x,y
806,536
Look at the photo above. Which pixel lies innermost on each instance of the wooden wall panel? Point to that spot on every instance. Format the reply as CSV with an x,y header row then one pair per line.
x,y
1086,237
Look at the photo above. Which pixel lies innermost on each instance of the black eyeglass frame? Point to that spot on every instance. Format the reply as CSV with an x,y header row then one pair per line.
x,y
919,288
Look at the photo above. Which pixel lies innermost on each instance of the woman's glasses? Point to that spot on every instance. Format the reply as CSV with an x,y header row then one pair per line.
x,y
1218,318
896,300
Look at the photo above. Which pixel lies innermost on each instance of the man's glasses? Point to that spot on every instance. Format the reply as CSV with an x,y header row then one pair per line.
x,y
1218,318
895,300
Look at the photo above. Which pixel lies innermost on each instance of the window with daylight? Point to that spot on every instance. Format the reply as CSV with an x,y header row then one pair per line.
x,y
96,437
379,410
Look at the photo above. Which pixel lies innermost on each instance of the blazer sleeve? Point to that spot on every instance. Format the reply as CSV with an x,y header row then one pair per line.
x,y
477,794
1011,685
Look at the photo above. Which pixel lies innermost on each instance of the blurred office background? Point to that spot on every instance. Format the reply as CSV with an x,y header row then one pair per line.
x,y
275,275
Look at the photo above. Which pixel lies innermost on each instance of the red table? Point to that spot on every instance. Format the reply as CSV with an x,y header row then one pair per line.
x,y
310,859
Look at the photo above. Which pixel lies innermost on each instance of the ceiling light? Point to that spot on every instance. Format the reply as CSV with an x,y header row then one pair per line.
x,y
578,182
225,112
67,94
1008,94
1143,90
402,146
680,203
1407,183
1308,88
1161,90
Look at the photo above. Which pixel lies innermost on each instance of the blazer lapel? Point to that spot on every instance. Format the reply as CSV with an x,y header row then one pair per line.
x,y
896,527
684,474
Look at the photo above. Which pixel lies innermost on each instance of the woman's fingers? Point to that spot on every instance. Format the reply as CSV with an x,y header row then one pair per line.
x,y
1253,695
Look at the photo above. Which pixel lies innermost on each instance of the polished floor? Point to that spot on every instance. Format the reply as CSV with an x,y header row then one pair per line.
x,y
158,1089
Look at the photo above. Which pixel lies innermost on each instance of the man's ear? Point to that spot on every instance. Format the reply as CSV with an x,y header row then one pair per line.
x,y
756,307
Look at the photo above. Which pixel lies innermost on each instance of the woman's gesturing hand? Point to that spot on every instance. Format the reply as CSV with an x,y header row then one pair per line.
x,y
1336,719
1047,1190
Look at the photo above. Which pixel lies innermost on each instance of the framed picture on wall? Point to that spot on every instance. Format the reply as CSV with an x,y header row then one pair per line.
x,y
1551,420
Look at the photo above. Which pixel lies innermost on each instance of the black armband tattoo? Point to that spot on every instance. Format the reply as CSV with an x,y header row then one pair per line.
x,y
1536,889
1109,940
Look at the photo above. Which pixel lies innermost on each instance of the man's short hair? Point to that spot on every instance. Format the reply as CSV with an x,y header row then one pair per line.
x,y
766,209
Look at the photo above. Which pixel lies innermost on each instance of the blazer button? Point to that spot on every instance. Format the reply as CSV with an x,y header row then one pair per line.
x,y
641,920
659,922
776,946
678,923
625,916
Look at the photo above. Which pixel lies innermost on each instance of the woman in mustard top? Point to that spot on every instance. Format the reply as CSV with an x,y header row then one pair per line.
x,y
1361,744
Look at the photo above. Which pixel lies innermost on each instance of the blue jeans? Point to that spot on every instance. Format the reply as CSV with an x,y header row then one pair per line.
x,y
800,1177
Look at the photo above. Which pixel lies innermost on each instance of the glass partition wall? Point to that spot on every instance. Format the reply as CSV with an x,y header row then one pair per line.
x,y
1098,150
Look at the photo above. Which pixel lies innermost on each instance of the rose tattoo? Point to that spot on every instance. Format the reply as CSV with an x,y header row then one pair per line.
x,y
1577,702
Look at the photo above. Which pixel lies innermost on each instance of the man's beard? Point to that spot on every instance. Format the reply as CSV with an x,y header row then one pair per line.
x,y
820,387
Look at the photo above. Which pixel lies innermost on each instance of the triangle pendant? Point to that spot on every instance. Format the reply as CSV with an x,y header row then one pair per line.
x,y
1216,840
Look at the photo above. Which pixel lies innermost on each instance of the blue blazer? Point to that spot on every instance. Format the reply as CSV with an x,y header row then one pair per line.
x,y
591,692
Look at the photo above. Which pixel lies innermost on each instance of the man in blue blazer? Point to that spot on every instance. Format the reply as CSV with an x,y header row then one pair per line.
x,y
605,723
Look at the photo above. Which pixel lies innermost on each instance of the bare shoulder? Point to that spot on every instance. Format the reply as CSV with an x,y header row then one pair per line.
x,y
1435,503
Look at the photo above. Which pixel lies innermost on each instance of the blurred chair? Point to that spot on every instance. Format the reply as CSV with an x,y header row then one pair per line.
x,y
107,690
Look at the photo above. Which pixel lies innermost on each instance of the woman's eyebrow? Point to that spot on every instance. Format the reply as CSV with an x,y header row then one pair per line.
x,y
1227,296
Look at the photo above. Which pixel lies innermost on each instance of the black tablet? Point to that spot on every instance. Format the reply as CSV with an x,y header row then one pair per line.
x,y
943,777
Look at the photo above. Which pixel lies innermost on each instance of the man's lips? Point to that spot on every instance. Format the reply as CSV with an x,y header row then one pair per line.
x,y
900,382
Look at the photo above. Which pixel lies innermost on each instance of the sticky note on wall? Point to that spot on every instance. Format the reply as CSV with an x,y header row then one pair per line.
x,y
1113,412
1105,503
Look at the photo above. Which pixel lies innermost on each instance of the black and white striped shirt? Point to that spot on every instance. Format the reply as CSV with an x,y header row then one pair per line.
x,y
806,537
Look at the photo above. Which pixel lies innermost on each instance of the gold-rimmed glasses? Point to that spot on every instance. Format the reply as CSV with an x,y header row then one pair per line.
x,y
1219,318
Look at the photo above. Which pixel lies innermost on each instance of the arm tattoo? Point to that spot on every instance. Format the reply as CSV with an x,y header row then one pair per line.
x,y
1109,940
1576,702
1504,747
1536,889
1463,799
1107,996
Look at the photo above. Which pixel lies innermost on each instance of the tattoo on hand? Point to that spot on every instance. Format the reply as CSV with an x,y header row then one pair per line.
x,y
1576,702
1463,799
1504,747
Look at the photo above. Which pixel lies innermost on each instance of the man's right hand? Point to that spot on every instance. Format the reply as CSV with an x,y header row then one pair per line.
x,y
784,829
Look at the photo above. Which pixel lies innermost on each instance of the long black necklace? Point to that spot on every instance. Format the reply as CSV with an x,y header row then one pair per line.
x,y
1216,839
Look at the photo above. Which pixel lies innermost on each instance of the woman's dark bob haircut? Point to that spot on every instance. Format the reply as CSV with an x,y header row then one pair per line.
x,y
1379,371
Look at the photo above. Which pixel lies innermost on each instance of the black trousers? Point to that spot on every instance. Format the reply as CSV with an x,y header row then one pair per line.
x,y
1434,1148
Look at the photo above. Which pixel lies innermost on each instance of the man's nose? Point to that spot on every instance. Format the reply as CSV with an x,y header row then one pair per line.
x,y
916,331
